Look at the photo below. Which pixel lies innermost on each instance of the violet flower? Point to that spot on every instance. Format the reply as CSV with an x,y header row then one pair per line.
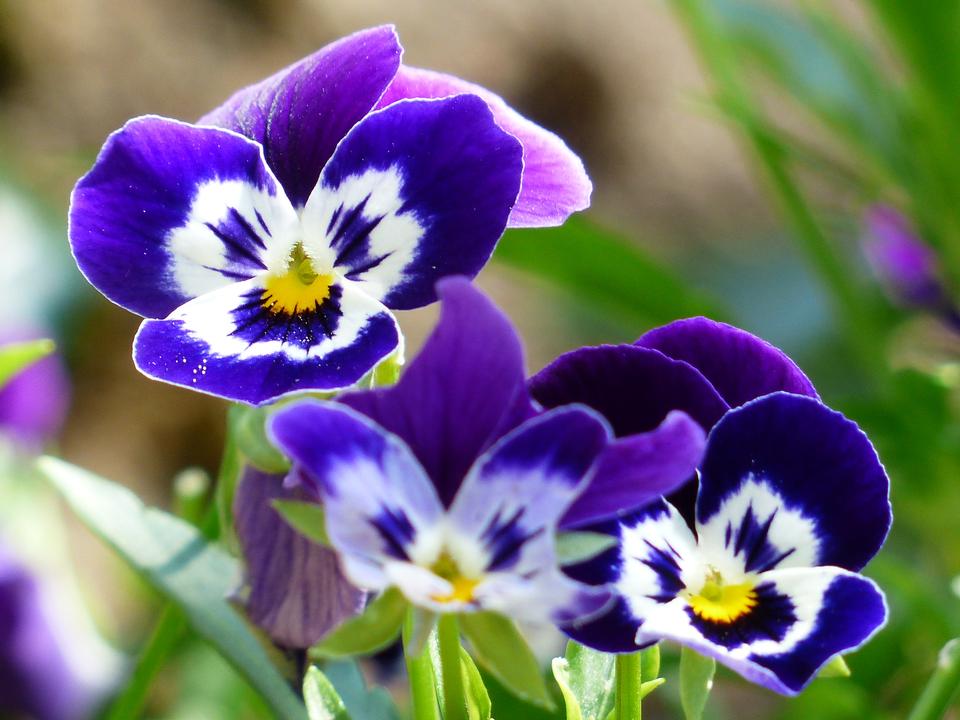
x,y
267,252
792,501
33,403
451,484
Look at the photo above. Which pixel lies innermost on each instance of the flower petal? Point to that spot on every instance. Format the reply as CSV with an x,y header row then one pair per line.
x,y
297,592
638,469
741,366
812,478
633,388
555,183
464,390
380,505
171,211
33,403
302,112
228,344
416,192
803,617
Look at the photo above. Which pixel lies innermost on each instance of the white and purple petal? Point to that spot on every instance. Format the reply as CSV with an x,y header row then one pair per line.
x,y
739,365
296,590
171,211
381,508
555,184
227,343
793,478
463,391
300,114
415,192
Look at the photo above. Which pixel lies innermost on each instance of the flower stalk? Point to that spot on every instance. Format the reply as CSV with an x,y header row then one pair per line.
x,y
942,687
628,696
454,700
423,692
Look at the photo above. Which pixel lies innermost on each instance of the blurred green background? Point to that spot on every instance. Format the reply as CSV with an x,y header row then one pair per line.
x,y
734,146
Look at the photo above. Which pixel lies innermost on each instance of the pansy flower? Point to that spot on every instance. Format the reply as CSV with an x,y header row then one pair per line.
x,y
33,403
760,571
450,485
268,245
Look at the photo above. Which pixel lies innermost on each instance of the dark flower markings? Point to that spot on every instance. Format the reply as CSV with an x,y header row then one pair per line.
x,y
752,542
771,619
305,328
349,234
239,238
505,538
665,563
395,530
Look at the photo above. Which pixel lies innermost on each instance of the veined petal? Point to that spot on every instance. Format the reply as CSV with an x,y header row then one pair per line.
x,y
415,192
297,592
171,211
380,505
464,390
547,594
740,366
518,490
228,343
802,618
555,184
302,112
638,469
786,477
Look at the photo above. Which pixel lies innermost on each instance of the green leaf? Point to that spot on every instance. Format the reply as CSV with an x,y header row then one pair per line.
x,y
361,703
323,702
478,699
17,356
836,668
696,681
387,371
377,627
650,663
576,547
586,680
228,477
501,649
421,625
649,686
607,272
180,564
250,430
306,518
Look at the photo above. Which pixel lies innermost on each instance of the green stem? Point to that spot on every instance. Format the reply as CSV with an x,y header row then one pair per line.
x,y
454,700
423,691
629,680
941,689
167,632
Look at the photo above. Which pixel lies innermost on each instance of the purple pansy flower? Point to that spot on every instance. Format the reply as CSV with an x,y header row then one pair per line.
x,y
451,484
792,501
267,245
33,403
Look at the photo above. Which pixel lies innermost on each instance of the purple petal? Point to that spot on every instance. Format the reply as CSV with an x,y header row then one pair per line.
x,y
416,192
227,343
33,403
638,469
816,462
555,184
377,497
633,388
464,390
171,211
741,366
297,592
902,261
301,113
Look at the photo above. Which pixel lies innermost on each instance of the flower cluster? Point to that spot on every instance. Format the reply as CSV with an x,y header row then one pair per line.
x,y
266,247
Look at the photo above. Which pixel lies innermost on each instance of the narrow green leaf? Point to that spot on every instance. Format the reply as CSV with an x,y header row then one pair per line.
x,y
306,518
417,630
650,667
649,686
589,679
228,477
561,673
696,681
502,650
576,547
836,668
362,703
180,564
323,702
17,356
253,443
478,699
377,627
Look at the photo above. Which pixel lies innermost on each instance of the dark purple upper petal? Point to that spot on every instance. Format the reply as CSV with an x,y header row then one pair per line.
x,y
301,113
819,463
741,366
415,192
634,388
638,469
555,183
297,592
464,391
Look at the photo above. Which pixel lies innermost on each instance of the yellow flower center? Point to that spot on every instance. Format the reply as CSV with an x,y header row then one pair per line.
x,y
721,603
300,289
463,587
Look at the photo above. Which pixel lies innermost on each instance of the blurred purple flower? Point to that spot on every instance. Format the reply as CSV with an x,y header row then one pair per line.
x,y
33,404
